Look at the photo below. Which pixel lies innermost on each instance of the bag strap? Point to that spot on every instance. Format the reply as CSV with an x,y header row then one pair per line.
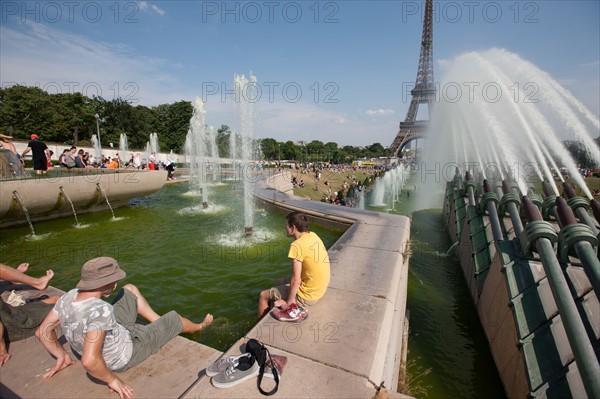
x,y
262,372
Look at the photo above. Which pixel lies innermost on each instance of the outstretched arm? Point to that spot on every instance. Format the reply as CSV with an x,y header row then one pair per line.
x,y
294,284
46,334
94,363
295,281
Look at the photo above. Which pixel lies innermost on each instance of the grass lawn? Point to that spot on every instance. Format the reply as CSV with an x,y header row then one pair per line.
x,y
316,190
593,183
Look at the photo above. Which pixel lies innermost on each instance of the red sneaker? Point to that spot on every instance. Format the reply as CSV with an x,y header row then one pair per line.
x,y
293,313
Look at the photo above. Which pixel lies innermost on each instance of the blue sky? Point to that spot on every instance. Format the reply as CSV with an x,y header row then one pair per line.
x,y
329,70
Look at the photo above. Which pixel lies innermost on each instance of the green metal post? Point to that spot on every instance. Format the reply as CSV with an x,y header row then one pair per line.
x,y
538,233
490,199
509,200
580,237
580,207
470,186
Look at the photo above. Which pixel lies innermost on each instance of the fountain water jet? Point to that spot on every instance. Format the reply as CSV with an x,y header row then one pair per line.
x,y
153,143
526,132
97,148
246,94
196,150
17,196
123,146
71,203
379,193
214,153
106,199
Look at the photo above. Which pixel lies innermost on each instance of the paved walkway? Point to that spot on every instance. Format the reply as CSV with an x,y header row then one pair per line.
x,y
348,347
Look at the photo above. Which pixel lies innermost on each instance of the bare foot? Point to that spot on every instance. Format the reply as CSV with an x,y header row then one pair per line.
x,y
23,267
43,281
4,357
207,320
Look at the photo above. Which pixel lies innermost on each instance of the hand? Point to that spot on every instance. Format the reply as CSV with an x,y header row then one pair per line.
x,y
280,303
118,386
61,363
4,357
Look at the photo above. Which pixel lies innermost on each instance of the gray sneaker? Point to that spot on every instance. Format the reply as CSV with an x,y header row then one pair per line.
x,y
233,375
223,364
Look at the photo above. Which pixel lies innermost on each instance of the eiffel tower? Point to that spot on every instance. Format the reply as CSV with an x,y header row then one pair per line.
x,y
424,90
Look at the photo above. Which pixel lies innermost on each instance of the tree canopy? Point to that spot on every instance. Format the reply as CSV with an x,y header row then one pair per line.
x,y
70,118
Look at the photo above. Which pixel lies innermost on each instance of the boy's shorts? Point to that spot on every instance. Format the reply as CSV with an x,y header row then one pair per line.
x,y
283,292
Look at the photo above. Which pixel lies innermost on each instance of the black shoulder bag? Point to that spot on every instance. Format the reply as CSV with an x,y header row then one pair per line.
x,y
260,353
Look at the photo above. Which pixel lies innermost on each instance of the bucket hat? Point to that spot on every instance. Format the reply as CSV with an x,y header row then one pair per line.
x,y
99,272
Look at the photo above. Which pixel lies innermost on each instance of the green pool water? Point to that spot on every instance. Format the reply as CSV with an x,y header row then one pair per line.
x,y
448,356
180,258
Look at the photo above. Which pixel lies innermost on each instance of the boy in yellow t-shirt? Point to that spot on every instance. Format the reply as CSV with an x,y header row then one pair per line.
x,y
310,269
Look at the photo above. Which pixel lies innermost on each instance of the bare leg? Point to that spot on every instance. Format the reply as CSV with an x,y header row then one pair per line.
x,y
146,311
263,302
4,355
191,327
15,276
144,308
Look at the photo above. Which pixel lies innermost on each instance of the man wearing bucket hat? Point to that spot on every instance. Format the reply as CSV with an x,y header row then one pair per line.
x,y
106,336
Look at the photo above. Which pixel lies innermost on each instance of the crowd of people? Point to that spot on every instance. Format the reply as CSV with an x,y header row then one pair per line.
x,y
347,193
73,158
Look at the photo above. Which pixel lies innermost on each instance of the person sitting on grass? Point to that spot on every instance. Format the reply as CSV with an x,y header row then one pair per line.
x,y
106,335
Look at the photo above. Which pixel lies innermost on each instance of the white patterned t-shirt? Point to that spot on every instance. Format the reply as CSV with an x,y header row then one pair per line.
x,y
93,314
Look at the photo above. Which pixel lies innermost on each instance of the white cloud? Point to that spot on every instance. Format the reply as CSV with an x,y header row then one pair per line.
x,y
380,112
593,64
38,55
144,6
158,10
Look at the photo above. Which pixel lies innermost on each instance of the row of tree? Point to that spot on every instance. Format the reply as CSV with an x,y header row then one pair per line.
x,y
73,118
